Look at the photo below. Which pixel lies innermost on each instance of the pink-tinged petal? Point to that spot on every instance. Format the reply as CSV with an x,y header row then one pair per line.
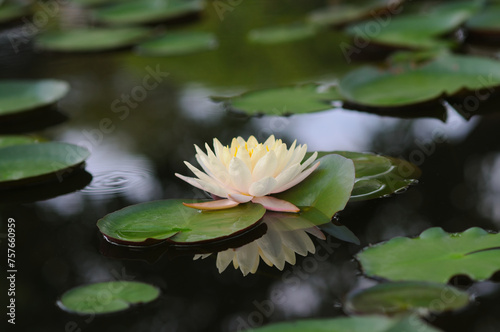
x,y
262,187
239,197
275,204
297,180
219,204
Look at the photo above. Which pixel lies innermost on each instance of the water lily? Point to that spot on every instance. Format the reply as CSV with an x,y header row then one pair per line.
x,y
249,171
283,239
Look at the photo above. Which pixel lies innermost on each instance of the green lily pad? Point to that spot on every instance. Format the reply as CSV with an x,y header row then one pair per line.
x,y
351,324
94,3
147,11
434,256
447,75
283,101
486,21
398,297
91,39
341,14
178,43
169,219
10,11
416,30
107,297
328,188
18,96
378,176
39,162
281,34
10,140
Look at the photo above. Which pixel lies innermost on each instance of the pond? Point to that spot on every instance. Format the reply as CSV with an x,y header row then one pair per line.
x,y
139,111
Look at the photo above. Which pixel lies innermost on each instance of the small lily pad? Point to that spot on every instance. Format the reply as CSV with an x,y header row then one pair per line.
x,y
328,188
485,21
434,256
34,163
351,324
10,140
147,11
281,34
178,43
404,85
157,221
107,297
378,176
284,100
398,297
91,39
18,96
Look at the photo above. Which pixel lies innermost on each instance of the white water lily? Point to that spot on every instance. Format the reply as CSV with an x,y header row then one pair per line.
x,y
249,171
278,246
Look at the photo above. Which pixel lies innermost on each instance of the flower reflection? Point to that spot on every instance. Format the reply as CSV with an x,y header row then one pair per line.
x,y
286,235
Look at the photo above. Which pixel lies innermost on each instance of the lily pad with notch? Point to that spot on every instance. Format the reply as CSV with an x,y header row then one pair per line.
x,y
107,297
29,164
434,256
394,298
169,220
91,39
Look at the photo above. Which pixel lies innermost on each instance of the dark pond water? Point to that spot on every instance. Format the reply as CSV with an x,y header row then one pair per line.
x,y
134,160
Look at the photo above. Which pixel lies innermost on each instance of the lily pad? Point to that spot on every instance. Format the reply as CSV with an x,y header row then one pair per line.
x,y
434,256
157,221
91,39
378,176
94,3
35,163
486,21
447,75
351,324
281,34
328,188
147,11
398,297
416,30
341,14
178,43
107,297
10,140
18,96
283,101
10,11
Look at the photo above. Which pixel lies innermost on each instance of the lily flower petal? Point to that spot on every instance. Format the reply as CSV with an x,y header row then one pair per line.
x,y
219,204
297,180
275,204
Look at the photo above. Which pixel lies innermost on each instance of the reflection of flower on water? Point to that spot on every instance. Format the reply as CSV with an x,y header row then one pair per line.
x,y
284,238
249,171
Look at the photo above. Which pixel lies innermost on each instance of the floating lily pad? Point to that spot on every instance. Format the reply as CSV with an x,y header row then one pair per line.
x,y
328,188
351,324
415,30
434,256
147,11
341,14
340,232
91,39
398,297
169,219
283,101
178,43
107,297
18,96
10,11
92,3
447,75
281,34
485,21
35,163
378,176
10,140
